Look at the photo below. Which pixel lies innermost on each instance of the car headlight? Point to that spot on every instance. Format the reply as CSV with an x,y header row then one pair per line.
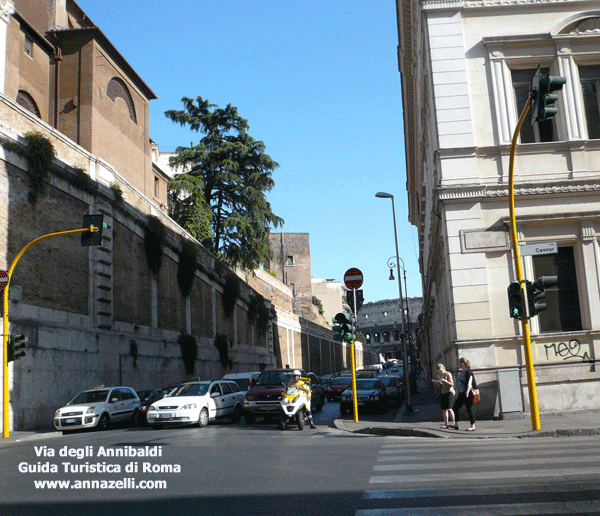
x,y
151,408
189,406
90,410
250,397
57,413
375,397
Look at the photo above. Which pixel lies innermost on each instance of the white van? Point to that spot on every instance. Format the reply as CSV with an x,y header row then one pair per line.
x,y
242,379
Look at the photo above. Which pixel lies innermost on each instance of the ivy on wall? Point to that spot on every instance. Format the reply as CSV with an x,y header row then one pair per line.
x,y
231,293
187,266
154,240
189,351
259,314
39,155
84,182
222,343
118,194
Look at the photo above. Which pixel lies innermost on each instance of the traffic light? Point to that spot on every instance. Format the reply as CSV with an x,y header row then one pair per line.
x,y
536,293
89,238
544,101
16,343
515,301
352,334
342,327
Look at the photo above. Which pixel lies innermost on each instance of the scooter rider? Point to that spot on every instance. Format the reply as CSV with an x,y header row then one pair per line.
x,y
295,381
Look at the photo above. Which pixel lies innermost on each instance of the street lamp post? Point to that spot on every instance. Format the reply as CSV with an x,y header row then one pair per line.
x,y
384,195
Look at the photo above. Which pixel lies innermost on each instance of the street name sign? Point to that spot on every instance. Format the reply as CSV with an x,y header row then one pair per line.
x,y
3,279
537,249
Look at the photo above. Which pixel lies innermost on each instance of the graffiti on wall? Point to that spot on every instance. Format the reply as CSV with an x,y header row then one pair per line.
x,y
572,350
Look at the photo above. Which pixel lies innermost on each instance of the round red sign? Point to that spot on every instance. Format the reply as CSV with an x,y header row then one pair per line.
x,y
353,278
3,279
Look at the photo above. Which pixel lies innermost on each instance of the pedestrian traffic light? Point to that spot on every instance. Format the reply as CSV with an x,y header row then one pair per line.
x,y
16,343
515,301
92,237
536,293
542,86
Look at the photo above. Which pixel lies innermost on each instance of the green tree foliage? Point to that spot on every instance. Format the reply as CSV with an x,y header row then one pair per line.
x,y
229,172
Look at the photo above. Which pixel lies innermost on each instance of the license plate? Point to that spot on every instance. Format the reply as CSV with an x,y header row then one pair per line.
x,y
164,416
70,420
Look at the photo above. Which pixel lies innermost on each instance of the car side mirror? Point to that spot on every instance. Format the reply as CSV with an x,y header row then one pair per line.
x,y
114,400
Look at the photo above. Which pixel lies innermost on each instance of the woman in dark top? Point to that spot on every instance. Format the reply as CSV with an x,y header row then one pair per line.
x,y
465,382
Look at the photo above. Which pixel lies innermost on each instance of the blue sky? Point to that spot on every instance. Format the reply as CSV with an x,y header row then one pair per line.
x,y
318,83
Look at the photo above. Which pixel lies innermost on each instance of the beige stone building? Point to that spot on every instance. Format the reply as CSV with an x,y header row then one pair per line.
x,y
466,68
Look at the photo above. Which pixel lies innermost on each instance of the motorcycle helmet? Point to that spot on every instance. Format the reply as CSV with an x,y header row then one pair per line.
x,y
296,372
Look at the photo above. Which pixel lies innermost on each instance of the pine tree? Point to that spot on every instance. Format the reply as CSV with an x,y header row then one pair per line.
x,y
220,195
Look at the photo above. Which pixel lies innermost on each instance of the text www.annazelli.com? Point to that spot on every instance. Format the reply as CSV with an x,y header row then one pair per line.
x,y
123,483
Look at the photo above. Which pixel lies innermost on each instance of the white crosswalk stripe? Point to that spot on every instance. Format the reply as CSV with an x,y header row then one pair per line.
x,y
420,477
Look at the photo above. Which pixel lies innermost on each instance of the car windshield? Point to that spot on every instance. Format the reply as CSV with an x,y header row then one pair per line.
x,y
368,384
340,381
191,389
90,397
273,378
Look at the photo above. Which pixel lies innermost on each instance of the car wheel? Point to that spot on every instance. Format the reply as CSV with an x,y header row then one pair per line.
x,y
136,420
250,419
237,414
103,422
203,418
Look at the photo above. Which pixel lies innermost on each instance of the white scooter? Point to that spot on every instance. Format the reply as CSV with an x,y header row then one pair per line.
x,y
294,408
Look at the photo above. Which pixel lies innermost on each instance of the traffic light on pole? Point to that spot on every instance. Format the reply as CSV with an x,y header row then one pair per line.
x,y
89,238
16,343
515,301
536,293
544,100
343,328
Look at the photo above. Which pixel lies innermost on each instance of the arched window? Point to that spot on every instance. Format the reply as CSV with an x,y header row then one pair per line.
x,y
117,88
25,100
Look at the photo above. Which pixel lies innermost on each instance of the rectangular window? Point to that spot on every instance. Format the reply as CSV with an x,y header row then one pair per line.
x,y
590,86
563,313
156,187
290,260
542,131
28,46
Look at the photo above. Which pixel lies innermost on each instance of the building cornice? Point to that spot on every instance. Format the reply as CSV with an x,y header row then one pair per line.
x,y
479,191
430,5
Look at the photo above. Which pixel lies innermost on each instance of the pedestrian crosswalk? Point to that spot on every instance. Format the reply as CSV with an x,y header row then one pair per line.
x,y
546,476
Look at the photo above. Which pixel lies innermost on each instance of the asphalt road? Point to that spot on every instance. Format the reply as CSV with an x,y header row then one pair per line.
x,y
228,469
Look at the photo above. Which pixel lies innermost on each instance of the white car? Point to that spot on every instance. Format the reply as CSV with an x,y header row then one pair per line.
x,y
98,408
197,403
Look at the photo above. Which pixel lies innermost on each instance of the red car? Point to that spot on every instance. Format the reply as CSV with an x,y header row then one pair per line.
x,y
335,388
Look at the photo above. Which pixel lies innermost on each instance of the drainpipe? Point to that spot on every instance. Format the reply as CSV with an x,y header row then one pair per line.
x,y
57,59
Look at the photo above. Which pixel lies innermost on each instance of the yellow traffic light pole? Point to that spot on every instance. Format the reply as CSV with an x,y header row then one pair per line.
x,y
533,401
5,397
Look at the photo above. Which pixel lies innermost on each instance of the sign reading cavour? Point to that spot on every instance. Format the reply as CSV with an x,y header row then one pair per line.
x,y
536,249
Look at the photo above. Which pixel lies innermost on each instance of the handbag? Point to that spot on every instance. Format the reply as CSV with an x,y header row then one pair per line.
x,y
475,396
452,391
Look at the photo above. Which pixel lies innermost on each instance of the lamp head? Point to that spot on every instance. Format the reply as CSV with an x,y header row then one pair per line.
x,y
392,274
384,195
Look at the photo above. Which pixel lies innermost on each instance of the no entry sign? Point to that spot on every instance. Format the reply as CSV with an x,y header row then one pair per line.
x,y
3,279
353,278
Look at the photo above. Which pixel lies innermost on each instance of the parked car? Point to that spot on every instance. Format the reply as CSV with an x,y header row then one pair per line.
x,y
393,388
98,408
244,380
317,392
264,397
336,386
197,403
146,401
370,395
